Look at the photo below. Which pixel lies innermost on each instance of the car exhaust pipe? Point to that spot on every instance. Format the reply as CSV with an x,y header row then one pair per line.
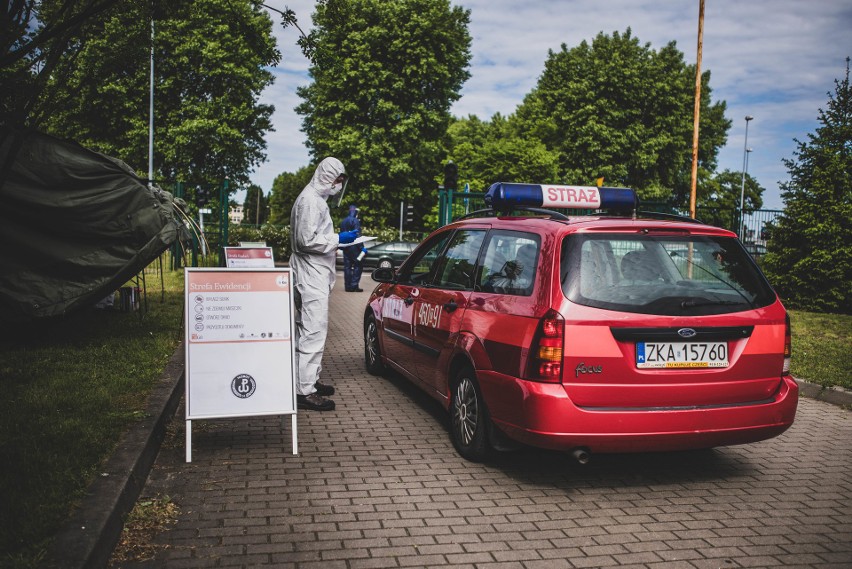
x,y
581,455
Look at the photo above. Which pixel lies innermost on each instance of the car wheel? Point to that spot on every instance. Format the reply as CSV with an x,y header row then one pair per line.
x,y
372,350
469,418
385,264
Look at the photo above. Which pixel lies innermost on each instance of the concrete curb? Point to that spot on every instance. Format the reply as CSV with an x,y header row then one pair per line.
x,y
834,395
89,536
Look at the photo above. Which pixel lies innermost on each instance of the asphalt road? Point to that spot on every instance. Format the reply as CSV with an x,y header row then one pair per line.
x,y
377,483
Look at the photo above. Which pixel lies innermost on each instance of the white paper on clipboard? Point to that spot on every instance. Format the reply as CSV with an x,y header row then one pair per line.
x,y
357,241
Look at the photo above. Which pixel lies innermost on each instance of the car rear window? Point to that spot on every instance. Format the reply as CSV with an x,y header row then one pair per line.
x,y
662,274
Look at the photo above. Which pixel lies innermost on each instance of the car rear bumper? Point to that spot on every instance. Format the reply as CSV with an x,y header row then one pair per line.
x,y
543,415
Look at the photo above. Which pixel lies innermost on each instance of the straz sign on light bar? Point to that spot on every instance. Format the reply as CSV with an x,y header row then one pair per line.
x,y
681,354
571,196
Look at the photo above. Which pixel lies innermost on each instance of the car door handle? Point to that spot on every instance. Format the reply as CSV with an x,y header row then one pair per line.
x,y
409,301
451,306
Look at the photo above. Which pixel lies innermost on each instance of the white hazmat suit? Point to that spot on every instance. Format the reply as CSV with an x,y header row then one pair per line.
x,y
314,246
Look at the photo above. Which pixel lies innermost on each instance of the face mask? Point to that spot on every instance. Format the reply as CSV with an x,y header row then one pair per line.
x,y
335,189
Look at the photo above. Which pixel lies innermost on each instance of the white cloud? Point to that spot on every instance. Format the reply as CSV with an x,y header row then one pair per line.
x,y
773,60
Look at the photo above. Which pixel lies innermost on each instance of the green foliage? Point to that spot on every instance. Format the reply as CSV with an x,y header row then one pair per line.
x,y
623,111
255,207
487,152
724,189
809,258
285,189
385,75
210,58
31,53
275,236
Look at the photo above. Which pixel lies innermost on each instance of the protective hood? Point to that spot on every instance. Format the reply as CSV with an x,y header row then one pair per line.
x,y
325,175
75,225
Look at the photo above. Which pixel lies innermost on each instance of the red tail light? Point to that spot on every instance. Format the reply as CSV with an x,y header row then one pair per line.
x,y
788,346
545,362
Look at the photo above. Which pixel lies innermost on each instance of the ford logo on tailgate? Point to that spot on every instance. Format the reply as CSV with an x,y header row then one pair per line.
x,y
686,333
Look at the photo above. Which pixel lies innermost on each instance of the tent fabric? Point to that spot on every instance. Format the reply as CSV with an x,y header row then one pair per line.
x,y
75,225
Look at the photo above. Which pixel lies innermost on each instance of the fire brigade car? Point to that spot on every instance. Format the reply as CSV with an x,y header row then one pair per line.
x,y
603,333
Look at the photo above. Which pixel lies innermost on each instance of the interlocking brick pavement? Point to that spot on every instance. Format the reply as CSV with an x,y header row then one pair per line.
x,y
378,484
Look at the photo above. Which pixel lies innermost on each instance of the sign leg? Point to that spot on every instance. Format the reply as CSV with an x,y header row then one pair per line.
x,y
295,438
189,441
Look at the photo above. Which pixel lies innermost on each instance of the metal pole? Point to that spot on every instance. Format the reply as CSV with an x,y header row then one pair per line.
x,y
151,112
401,214
742,186
696,112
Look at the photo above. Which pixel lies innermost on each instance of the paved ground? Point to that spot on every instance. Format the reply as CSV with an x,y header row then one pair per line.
x,y
377,483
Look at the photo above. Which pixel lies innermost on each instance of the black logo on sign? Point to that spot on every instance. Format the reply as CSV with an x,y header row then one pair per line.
x,y
243,386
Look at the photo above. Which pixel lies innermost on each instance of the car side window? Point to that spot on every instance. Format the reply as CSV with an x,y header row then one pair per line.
x,y
456,269
510,263
418,269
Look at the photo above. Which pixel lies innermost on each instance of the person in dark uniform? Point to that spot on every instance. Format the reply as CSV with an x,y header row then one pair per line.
x,y
352,257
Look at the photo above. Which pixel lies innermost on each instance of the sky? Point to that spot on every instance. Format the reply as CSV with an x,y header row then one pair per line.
x,y
774,60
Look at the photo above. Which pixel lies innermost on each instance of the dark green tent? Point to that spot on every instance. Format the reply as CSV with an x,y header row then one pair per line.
x,y
75,225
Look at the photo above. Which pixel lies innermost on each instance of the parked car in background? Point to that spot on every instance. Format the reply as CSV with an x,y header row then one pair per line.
x,y
388,255
603,333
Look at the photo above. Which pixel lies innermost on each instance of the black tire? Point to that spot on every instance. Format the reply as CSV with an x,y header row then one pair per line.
x,y
469,418
385,264
372,348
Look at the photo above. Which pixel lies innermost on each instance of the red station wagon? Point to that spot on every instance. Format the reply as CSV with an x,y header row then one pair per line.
x,y
586,334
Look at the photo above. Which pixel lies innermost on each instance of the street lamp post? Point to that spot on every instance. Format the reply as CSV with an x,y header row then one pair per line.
x,y
746,150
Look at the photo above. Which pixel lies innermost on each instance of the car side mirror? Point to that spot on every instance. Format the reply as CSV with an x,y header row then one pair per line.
x,y
386,275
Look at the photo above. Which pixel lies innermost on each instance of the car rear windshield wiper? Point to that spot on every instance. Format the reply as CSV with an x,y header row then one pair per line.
x,y
718,278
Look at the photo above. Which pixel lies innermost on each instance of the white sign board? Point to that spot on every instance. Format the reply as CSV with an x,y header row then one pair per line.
x,y
248,257
239,345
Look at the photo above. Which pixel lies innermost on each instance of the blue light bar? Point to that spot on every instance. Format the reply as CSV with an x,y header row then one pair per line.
x,y
503,195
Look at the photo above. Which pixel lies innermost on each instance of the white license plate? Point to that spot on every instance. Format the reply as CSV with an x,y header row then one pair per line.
x,y
681,354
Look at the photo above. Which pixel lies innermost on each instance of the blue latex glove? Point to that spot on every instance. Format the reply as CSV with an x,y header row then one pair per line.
x,y
347,236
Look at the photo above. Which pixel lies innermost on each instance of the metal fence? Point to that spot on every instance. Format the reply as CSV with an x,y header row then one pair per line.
x,y
753,226
205,207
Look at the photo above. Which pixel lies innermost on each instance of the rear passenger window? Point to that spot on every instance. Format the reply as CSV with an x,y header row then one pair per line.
x,y
509,264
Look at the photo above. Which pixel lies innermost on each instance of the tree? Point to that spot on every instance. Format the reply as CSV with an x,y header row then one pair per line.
x,y
34,36
255,207
385,75
809,257
718,201
724,189
487,152
285,189
210,59
623,111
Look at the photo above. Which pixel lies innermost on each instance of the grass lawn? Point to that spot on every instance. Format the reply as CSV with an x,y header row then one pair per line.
x,y
821,345
71,388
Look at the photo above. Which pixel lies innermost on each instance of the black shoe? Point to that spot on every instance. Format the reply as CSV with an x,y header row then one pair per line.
x,y
324,389
357,290
314,402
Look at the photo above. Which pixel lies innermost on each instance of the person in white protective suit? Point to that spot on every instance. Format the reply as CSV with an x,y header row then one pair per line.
x,y
314,249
